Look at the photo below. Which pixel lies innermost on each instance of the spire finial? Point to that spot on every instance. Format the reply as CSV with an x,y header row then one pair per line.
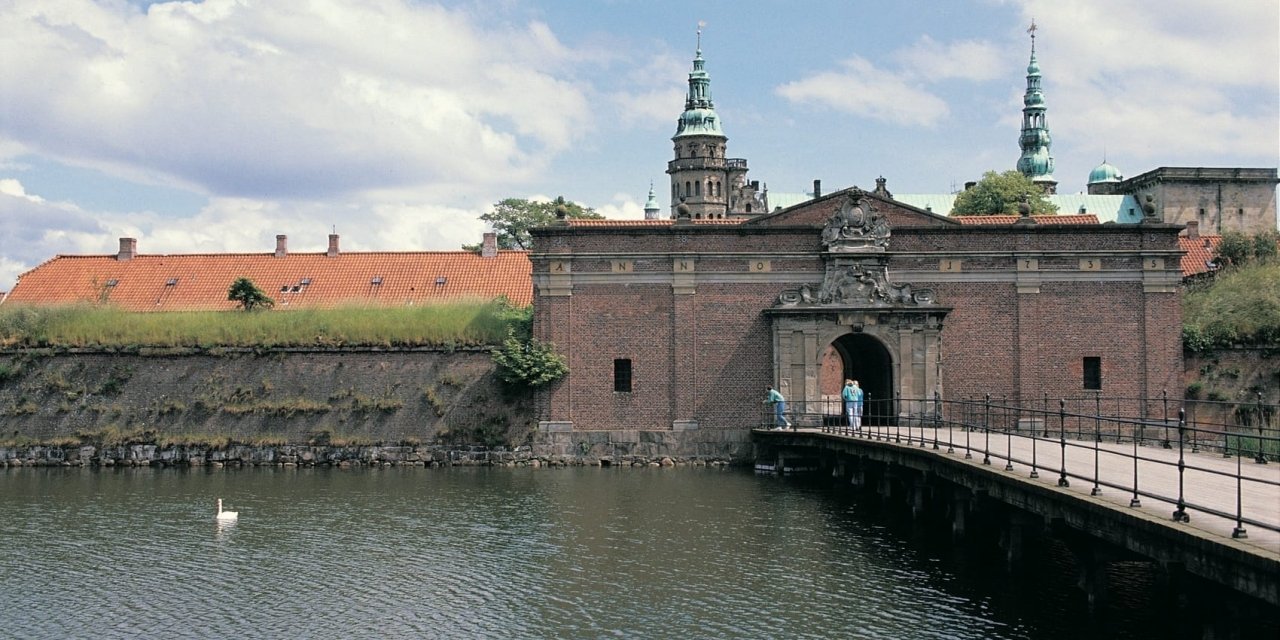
x,y
1032,30
701,24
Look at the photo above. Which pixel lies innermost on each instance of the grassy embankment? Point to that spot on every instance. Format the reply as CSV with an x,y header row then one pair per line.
x,y
1239,306
452,325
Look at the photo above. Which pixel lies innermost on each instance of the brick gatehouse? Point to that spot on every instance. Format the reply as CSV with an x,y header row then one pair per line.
x,y
678,325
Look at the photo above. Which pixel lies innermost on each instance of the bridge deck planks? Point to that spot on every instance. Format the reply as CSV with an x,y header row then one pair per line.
x,y
1209,480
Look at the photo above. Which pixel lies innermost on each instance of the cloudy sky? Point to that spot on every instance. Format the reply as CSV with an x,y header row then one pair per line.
x,y
213,126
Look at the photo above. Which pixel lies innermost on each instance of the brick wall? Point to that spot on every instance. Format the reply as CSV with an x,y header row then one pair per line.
x,y
706,354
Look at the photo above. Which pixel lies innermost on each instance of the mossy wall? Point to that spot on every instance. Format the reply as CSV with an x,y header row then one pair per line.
x,y
272,397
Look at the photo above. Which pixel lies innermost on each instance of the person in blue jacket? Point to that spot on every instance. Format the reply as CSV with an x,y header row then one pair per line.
x,y
779,408
852,395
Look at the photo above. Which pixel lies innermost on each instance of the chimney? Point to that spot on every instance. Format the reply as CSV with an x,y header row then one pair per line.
x,y
817,189
282,249
1193,228
128,249
489,246
333,246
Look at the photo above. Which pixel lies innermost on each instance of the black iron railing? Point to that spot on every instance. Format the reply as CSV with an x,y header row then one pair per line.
x,y
1105,428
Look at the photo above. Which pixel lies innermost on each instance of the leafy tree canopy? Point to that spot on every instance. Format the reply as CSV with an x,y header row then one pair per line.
x,y
1000,194
512,218
248,295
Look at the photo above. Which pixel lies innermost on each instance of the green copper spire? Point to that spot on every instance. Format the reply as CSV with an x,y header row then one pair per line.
x,y
699,117
1035,163
651,205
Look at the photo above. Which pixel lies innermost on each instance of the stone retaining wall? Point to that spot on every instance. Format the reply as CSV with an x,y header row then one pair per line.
x,y
150,455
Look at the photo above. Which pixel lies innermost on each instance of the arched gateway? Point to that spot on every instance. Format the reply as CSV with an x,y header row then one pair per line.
x,y
886,335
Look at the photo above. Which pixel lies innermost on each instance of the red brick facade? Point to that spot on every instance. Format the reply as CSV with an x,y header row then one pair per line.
x,y
1015,310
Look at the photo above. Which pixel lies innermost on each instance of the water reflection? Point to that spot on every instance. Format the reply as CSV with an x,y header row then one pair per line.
x,y
565,553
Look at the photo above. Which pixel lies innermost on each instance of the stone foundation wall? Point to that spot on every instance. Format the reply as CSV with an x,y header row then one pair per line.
x,y
151,455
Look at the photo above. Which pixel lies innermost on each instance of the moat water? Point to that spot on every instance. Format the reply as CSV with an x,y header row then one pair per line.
x,y
510,553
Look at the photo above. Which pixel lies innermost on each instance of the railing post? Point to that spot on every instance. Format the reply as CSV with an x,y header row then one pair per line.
x,y
986,426
1045,415
968,414
897,418
1097,440
1164,399
1134,501
1239,531
1044,418
1260,458
1008,437
937,417
1180,513
1062,440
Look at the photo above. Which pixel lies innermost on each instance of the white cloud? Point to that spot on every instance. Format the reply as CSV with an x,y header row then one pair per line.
x,y
33,230
654,94
622,207
1167,87
864,90
298,99
929,59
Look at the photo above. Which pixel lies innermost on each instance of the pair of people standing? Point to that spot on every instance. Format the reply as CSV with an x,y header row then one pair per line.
x,y
852,395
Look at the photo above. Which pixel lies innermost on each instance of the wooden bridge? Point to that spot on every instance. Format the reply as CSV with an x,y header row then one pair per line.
x,y
1197,497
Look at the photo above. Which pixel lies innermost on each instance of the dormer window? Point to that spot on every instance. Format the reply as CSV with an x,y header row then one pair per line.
x,y
376,280
440,280
171,282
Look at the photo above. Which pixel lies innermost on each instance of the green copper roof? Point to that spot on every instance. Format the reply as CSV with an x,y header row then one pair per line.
x,y
1105,172
699,117
652,203
1122,209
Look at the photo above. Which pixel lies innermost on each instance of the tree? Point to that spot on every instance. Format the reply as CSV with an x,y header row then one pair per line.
x,y
248,295
1000,194
1235,249
512,218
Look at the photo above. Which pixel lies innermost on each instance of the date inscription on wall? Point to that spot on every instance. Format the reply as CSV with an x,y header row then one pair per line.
x,y
1091,264
949,265
1028,264
759,265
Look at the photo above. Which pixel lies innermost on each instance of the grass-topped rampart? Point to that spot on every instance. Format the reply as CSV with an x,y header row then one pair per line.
x,y
454,324
1240,306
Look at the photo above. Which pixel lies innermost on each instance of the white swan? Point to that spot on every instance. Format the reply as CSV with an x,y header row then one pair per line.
x,y
226,515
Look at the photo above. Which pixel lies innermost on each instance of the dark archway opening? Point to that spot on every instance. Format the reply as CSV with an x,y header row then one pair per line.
x,y
867,360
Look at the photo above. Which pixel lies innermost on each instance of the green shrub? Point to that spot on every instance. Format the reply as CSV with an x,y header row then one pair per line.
x,y
9,371
1194,389
1241,305
531,364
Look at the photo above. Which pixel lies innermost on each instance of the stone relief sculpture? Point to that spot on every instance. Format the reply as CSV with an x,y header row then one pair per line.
x,y
856,226
852,279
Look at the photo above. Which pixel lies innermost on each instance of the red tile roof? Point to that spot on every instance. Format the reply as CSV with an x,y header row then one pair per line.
x,y
1074,218
664,222
1199,253
192,282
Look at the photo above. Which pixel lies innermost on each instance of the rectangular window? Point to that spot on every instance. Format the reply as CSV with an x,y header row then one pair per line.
x,y
622,375
1093,373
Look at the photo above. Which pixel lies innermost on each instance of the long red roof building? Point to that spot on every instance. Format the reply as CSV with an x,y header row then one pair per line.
x,y
199,282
